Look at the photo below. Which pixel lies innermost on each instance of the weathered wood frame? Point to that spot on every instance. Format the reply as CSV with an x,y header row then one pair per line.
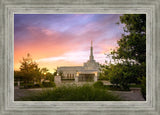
x,y
10,7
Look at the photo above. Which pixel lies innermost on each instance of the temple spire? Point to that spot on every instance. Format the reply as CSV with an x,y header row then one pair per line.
x,y
91,43
91,52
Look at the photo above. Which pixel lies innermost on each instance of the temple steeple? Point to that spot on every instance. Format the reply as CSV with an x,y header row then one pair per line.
x,y
91,53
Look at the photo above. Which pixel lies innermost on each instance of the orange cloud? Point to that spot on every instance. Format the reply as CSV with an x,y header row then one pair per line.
x,y
53,39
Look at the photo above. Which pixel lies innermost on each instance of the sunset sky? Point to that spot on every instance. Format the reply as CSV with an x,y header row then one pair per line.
x,y
64,39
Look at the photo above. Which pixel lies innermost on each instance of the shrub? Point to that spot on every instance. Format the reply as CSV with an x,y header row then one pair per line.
x,y
29,85
73,93
16,84
143,86
98,84
121,75
48,84
37,85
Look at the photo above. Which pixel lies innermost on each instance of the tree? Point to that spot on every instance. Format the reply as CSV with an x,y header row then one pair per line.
x,y
60,73
50,77
132,45
103,75
143,86
44,70
17,76
55,73
131,52
29,69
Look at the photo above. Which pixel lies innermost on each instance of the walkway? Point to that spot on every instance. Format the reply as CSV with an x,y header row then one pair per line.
x,y
129,95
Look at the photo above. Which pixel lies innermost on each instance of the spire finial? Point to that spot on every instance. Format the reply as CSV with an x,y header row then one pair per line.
x,y
91,43
91,52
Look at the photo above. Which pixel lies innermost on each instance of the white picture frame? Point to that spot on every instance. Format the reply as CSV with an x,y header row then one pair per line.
x,y
10,7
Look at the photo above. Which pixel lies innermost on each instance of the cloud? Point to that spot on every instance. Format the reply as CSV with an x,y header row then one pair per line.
x,y
78,56
64,38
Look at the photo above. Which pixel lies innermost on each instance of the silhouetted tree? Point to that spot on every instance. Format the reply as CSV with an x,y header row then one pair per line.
x,y
29,69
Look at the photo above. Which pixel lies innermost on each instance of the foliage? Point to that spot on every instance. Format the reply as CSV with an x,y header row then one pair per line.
x,y
114,88
17,76
48,84
29,69
104,72
73,93
55,73
98,84
44,70
130,56
30,73
37,85
123,74
29,85
143,86
132,45
120,74
15,84
49,77
61,74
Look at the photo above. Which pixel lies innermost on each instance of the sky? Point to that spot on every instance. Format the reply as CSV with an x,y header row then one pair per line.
x,y
55,40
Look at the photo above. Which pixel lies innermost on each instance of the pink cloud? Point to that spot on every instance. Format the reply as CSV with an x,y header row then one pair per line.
x,y
51,44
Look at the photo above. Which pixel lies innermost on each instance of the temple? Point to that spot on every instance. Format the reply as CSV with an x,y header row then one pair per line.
x,y
88,72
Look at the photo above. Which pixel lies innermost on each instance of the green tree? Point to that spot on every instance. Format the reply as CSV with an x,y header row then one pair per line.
x,y
44,70
55,73
17,76
60,73
50,77
29,70
103,75
130,56
143,86
132,45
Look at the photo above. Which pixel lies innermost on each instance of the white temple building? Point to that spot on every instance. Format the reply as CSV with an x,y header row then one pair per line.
x,y
88,72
